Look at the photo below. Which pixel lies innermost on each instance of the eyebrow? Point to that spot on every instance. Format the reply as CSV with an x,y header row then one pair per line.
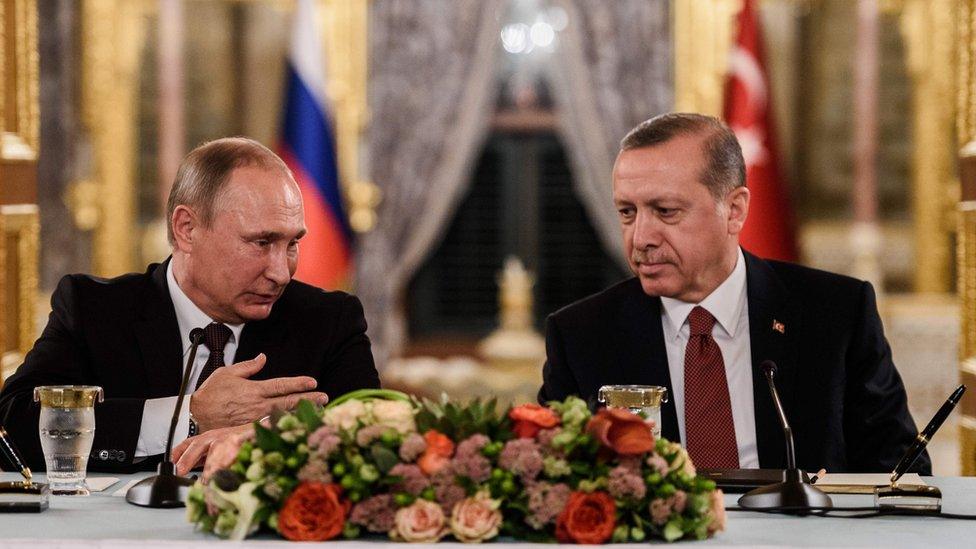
x,y
273,235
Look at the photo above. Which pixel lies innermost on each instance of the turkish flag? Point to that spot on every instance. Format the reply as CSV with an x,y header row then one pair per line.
x,y
769,230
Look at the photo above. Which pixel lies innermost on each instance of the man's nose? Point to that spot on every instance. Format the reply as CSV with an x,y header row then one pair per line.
x,y
279,267
647,231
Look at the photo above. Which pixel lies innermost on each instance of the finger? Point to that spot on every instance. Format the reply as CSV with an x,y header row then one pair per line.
x,y
290,401
247,368
180,448
286,385
192,457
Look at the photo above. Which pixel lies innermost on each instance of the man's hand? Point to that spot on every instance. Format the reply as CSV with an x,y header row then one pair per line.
x,y
221,445
228,398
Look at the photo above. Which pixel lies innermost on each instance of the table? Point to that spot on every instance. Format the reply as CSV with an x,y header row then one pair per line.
x,y
105,520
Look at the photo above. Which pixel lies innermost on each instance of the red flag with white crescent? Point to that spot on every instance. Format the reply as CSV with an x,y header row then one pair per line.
x,y
769,230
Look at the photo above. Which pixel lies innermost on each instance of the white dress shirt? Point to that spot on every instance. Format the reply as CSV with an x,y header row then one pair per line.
x,y
158,412
729,304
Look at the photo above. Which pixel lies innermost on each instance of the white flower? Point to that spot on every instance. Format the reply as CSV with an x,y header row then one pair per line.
x,y
346,415
396,414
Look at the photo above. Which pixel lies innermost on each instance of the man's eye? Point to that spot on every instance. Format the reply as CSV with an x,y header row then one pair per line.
x,y
667,212
263,243
625,212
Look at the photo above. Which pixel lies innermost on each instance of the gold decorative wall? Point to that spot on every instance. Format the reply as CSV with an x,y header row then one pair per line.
x,y
965,15
19,243
703,33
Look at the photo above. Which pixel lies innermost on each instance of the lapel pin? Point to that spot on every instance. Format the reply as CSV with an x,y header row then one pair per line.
x,y
779,326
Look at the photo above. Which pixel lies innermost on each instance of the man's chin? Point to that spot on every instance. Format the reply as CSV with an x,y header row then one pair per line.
x,y
657,287
255,311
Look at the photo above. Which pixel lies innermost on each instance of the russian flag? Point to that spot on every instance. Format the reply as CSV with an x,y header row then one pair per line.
x,y
308,147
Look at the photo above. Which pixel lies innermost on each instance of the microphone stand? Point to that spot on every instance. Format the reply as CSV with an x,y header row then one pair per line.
x,y
165,489
795,492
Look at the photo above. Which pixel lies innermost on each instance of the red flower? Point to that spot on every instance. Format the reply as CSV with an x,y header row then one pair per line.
x,y
621,431
587,518
313,512
438,452
529,419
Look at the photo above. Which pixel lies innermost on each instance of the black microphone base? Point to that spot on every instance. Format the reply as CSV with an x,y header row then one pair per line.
x,y
791,494
164,490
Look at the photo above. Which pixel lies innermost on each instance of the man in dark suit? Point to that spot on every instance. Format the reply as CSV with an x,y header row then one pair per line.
x,y
235,218
701,315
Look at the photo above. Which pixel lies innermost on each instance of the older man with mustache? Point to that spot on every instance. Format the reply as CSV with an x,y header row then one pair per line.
x,y
702,314
235,219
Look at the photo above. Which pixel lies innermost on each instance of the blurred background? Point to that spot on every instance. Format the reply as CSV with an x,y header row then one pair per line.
x,y
474,141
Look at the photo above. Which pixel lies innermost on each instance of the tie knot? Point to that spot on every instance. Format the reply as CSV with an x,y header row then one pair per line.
x,y
215,336
701,322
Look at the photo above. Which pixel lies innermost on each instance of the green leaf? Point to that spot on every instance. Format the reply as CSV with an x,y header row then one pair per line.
x,y
384,458
307,414
672,531
267,440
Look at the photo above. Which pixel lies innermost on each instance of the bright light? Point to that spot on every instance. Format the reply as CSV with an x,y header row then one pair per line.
x,y
558,18
542,34
515,38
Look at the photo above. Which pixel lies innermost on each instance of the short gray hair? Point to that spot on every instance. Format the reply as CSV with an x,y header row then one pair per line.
x,y
205,171
725,168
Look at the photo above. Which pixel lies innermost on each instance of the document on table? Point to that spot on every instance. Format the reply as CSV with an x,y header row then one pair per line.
x,y
862,483
98,484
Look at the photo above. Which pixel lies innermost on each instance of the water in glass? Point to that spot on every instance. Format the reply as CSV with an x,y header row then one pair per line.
x,y
66,438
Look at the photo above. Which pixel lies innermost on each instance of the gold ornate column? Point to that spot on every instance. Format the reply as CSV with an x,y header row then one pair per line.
x,y
703,33
346,44
19,229
966,246
930,40
113,33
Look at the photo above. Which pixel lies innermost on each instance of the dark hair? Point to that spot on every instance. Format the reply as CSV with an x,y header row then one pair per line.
x,y
725,168
205,171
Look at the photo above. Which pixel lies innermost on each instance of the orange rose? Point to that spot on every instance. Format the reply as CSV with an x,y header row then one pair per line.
x,y
313,512
621,431
438,452
529,419
587,518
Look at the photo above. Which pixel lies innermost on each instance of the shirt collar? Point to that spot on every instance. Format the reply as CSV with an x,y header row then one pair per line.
x,y
724,303
188,315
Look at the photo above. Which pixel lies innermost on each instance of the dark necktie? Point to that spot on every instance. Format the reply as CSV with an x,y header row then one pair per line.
x,y
709,429
215,337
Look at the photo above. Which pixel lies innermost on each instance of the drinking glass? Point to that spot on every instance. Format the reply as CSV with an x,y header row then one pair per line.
x,y
67,429
636,398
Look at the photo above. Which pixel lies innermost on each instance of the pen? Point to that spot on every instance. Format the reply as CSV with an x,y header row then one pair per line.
x,y
8,448
923,438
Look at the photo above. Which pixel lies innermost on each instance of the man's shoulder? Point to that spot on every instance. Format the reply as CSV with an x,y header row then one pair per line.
x,y
597,308
91,287
299,296
815,283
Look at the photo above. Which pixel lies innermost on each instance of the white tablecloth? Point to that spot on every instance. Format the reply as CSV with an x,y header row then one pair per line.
x,y
104,520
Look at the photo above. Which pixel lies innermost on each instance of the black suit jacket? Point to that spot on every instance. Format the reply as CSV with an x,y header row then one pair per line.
x,y
122,335
843,397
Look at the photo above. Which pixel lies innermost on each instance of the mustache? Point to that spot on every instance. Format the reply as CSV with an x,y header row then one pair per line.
x,y
639,256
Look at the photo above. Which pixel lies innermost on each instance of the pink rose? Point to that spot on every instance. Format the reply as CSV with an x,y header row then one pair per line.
x,y
421,522
717,511
476,519
224,451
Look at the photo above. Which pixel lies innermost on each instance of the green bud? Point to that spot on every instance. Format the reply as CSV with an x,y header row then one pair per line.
x,y
637,534
666,490
389,437
302,448
508,486
497,474
429,494
273,521
244,454
347,482
403,499
288,422
339,469
357,461
257,454
274,459
355,496
653,478
255,471
620,534
350,531
369,473
292,462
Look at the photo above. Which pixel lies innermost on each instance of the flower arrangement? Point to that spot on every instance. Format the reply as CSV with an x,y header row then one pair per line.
x,y
377,462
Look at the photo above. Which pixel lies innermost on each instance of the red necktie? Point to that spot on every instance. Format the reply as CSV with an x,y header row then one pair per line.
x,y
709,430
215,337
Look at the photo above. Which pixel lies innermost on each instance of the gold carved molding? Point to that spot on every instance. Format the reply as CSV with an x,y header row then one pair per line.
x,y
346,43
930,43
19,248
703,34
965,15
113,33
19,115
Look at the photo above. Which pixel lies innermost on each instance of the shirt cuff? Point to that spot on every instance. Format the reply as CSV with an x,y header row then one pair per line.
x,y
156,416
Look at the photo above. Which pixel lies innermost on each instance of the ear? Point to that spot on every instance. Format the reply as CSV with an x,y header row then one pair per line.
x,y
184,222
737,204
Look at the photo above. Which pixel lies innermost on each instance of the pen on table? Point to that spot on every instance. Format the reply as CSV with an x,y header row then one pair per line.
x,y
8,448
819,475
923,438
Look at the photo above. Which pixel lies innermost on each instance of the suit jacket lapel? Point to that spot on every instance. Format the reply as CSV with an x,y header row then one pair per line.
x,y
158,336
773,325
642,355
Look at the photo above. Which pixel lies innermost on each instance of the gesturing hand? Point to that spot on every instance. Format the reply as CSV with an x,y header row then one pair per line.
x,y
219,446
228,398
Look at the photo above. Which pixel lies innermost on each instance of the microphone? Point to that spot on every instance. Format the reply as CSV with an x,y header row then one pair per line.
x,y
166,489
795,493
